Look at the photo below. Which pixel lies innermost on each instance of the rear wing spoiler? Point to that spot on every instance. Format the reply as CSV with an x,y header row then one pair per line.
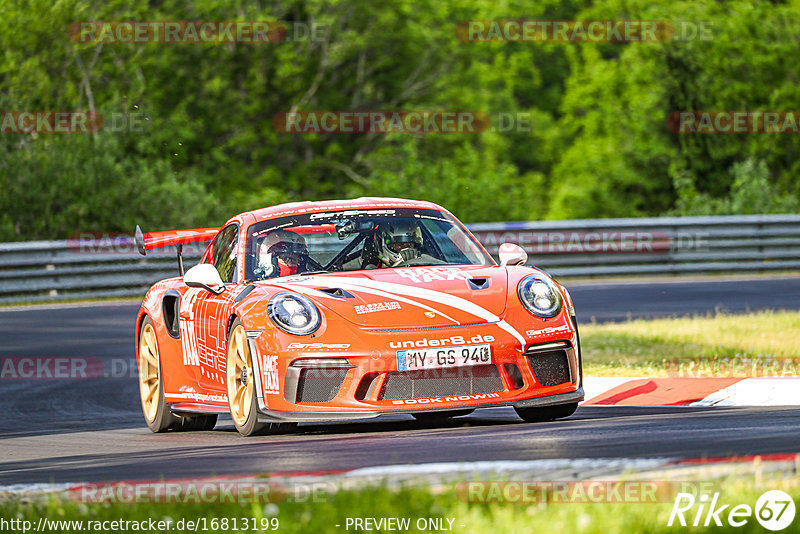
x,y
152,240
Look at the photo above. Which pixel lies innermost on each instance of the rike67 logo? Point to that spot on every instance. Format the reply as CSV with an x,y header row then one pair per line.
x,y
774,510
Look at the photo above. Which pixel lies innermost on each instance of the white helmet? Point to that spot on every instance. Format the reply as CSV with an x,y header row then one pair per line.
x,y
399,241
277,244
281,242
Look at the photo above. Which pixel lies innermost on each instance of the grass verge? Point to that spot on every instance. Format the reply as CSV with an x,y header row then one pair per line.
x,y
756,344
446,508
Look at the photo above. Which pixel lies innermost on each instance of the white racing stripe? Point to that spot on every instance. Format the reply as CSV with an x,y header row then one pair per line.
x,y
316,293
358,284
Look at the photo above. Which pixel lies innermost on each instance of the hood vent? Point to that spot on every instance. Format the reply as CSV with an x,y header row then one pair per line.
x,y
476,284
337,292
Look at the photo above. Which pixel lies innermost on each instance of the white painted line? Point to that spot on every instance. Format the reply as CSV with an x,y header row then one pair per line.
x,y
500,466
44,487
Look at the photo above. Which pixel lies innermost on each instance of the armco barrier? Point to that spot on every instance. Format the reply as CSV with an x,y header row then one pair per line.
x,y
58,270
653,246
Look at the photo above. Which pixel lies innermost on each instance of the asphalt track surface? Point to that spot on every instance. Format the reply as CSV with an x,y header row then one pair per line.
x,y
92,430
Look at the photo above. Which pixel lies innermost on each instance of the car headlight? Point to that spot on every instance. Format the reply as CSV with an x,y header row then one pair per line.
x,y
294,314
539,295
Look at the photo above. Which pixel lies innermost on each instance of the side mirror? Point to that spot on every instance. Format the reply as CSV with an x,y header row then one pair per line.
x,y
511,254
206,276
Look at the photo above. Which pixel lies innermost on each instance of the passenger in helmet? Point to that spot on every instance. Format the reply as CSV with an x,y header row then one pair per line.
x,y
280,253
398,242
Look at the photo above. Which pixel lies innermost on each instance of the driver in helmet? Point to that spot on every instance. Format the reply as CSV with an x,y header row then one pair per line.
x,y
398,242
280,253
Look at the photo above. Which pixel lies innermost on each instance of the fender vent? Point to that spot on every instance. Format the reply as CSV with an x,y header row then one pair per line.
x,y
170,308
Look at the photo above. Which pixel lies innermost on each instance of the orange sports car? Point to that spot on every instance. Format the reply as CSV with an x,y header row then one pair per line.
x,y
315,311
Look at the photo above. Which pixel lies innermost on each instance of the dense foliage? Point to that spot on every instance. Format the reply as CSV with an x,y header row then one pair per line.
x,y
598,145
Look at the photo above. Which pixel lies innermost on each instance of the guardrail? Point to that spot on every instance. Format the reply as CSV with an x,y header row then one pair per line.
x,y
58,270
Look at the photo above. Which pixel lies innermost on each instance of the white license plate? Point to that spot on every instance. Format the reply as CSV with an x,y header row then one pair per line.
x,y
439,357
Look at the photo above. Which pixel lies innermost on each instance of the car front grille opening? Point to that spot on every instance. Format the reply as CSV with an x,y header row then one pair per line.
x,y
514,375
365,387
441,382
321,384
550,367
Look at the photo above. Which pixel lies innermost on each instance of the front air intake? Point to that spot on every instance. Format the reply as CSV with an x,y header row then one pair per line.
x,y
550,367
451,381
320,385
315,379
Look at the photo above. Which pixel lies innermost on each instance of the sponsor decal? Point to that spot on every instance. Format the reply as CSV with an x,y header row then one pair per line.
x,y
547,331
270,370
455,398
377,306
350,213
199,397
186,326
318,346
423,275
452,340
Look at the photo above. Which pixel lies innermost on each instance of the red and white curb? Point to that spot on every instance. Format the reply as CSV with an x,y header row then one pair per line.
x,y
683,391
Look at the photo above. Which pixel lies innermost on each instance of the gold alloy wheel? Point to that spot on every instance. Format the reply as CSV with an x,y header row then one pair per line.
x,y
149,374
240,376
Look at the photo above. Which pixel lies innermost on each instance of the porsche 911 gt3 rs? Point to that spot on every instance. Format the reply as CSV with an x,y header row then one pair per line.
x,y
317,311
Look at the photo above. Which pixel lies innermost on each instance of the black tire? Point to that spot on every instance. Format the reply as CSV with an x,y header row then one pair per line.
x,y
249,426
163,419
546,413
440,417
198,423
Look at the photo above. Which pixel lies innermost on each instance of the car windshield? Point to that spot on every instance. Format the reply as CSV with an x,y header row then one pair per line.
x,y
358,239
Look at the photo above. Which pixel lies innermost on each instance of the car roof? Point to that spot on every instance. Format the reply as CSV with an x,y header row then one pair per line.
x,y
294,208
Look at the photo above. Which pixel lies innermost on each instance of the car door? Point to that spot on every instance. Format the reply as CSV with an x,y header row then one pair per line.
x,y
204,315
